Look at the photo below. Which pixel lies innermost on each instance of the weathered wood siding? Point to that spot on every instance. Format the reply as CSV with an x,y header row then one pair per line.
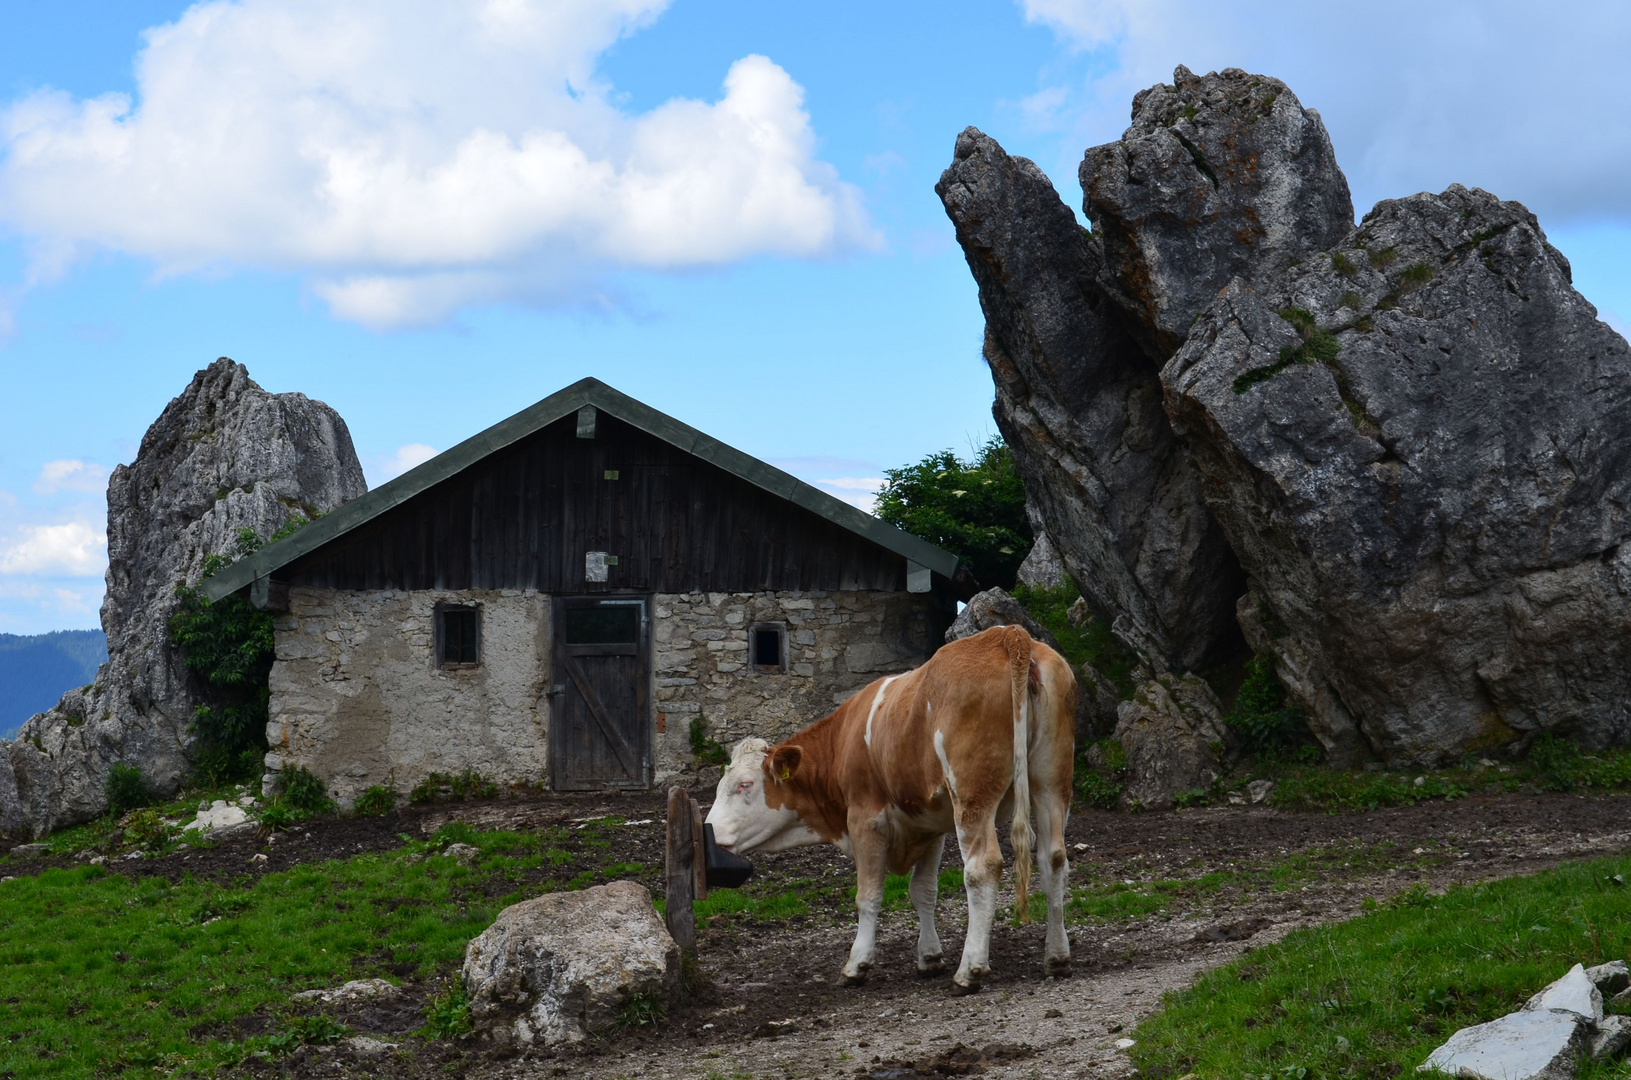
x,y
524,517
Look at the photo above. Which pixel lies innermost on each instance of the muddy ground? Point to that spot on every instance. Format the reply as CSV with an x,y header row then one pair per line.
x,y
771,1007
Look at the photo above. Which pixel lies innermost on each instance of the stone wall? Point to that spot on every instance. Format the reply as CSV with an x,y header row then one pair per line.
x,y
836,643
358,699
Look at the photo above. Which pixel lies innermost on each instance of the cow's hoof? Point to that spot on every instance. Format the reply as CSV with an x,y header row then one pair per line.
x,y
1056,967
960,990
857,979
930,966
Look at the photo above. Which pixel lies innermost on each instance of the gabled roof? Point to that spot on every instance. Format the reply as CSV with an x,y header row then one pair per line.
x,y
265,563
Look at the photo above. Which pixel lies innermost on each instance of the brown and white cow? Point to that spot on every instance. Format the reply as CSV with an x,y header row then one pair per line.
x,y
982,731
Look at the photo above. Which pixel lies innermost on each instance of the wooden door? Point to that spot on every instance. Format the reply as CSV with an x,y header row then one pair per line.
x,y
600,730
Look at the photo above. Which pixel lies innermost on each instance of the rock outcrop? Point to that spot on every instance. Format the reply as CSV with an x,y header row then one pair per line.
x,y
1395,456
564,966
222,457
1173,734
1220,176
1079,404
1419,444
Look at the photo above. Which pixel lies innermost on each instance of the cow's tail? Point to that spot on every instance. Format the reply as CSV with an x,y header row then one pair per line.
x,y
1022,835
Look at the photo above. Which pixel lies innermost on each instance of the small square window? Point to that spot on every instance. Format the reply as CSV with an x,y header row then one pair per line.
x,y
766,644
458,637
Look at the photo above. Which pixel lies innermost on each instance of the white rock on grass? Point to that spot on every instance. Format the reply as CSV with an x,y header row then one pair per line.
x,y
363,1045
353,991
463,854
1573,993
1613,1036
563,966
1527,1045
221,819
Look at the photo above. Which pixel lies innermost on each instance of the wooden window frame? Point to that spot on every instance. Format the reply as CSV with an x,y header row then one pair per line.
x,y
780,667
442,611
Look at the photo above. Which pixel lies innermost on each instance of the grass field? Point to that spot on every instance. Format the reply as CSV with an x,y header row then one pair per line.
x,y
1373,996
99,972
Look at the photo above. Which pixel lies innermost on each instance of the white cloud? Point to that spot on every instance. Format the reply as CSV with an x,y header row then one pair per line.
x,y
71,474
1500,94
413,156
71,549
859,491
383,467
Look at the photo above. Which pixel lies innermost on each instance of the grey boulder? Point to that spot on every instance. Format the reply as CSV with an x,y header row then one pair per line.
x,y
994,607
223,456
563,967
1419,444
1173,735
1079,404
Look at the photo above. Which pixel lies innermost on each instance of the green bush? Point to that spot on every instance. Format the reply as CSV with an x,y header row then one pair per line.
x,y
706,750
973,509
303,792
127,789
229,646
376,801
147,830
1262,717
1101,773
447,1014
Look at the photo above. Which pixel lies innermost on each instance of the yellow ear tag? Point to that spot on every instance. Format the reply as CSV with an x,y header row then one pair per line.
x,y
786,773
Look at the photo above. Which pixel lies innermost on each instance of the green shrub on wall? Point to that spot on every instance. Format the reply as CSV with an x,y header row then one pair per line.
x,y
229,646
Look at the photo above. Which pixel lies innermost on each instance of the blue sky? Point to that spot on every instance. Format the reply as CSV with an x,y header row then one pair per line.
x,y
430,215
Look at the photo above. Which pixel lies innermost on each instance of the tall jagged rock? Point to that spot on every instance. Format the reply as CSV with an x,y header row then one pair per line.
x,y
1080,406
224,456
1219,176
1419,443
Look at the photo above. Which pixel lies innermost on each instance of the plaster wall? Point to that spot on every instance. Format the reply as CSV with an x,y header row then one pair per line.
x,y
357,698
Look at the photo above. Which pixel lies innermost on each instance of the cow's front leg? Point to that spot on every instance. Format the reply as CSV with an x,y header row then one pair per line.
x,y
925,891
871,867
982,872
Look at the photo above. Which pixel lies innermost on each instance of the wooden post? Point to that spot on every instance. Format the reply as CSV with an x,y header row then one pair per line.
x,y
684,870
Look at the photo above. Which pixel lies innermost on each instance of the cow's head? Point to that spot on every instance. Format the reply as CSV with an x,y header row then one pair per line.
x,y
753,806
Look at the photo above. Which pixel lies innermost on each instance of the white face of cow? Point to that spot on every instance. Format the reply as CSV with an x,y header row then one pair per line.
x,y
741,818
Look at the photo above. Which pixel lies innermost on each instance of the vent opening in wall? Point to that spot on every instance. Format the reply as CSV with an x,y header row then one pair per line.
x,y
767,644
458,637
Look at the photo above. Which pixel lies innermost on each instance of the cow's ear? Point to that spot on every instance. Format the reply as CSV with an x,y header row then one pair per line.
x,y
784,762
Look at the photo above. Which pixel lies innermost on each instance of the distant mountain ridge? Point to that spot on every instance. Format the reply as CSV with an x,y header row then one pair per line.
x,y
36,670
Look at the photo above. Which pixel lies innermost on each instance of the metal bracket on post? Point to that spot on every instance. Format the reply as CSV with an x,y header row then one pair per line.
x,y
919,578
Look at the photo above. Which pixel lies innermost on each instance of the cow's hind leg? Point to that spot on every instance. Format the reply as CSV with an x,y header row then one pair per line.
x,y
871,867
982,872
925,890
1054,869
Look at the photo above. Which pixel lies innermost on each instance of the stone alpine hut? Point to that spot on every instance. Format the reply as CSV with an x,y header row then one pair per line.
x,y
558,598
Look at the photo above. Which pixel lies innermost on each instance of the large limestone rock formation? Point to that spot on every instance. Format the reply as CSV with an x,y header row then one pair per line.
x,y
1419,443
1413,437
1080,405
224,456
